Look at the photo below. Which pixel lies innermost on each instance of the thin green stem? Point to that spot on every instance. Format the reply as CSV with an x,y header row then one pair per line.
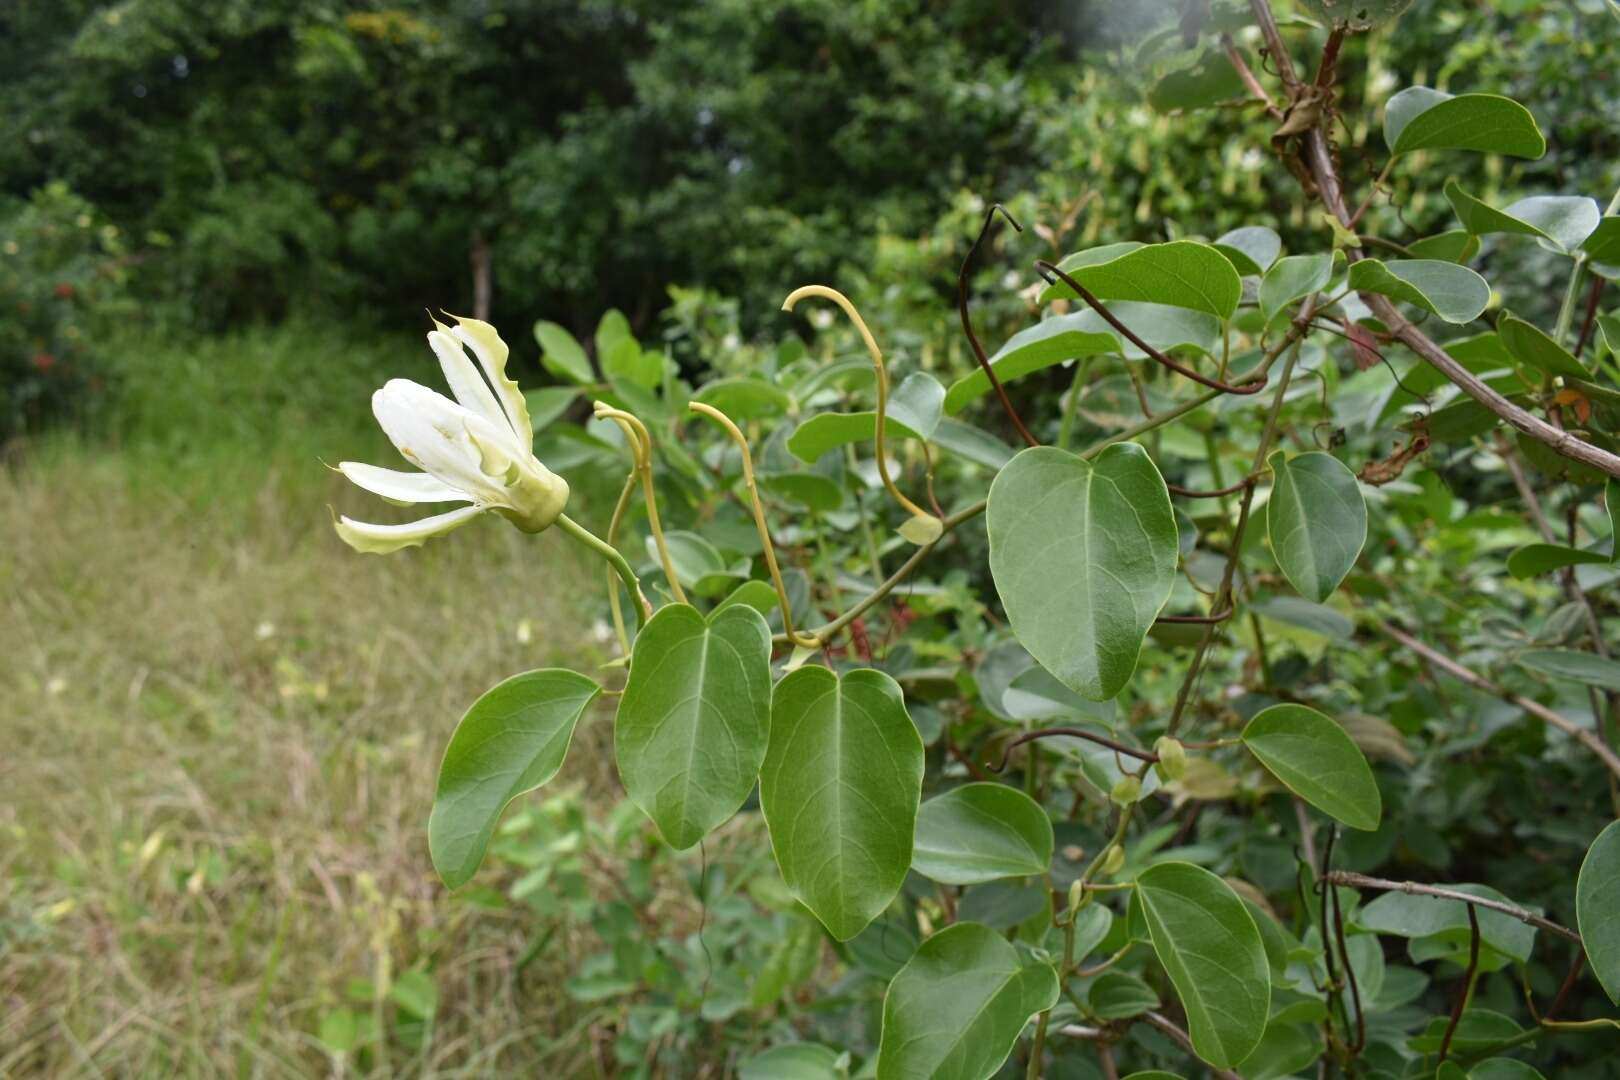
x,y
640,439
1071,406
614,559
619,509
1566,310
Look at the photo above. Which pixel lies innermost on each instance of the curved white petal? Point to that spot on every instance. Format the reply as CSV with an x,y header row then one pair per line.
x,y
381,539
465,383
492,352
430,431
401,487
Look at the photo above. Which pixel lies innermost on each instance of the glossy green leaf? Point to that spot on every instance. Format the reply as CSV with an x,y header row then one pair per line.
x,y
1084,333
1455,293
958,1006
1083,555
1316,520
1206,83
625,360
1477,1030
1119,995
1582,667
1208,943
1419,118
1252,248
1182,273
1597,908
981,832
1529,345
698,563
1564,221
511,741
839,790
694,719
829,431
745,398
561,354
1603,245
1533,560
756,594
547,404
1504,1068
1318,761
1293,278
1458,246
917,403
1419,916
971,443
793,1061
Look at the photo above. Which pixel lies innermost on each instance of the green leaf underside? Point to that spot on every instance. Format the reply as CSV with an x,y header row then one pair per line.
x,y
839,790
1455,293
957,1007
1317,760
1083,555
561,354
1604,244
1533,560
792,1061
512,740
1316,520
1292,278
981,832
1565,221
1081,334
1597,908
1527,344
1181,273
694,720
1582,667
1419,916
1209,944
1419,118
1251,248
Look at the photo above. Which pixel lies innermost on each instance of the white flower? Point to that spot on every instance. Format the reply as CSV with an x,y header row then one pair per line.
x,y
477,449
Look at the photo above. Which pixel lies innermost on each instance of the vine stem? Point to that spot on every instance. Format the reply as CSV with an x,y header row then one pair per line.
x,y
614,606
640,439
882,376
1541,712
967,323
811,641
614,559
1413,888
1223,595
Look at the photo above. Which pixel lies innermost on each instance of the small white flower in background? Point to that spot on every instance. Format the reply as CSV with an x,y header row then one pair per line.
x,y
477,449
265,630
525,631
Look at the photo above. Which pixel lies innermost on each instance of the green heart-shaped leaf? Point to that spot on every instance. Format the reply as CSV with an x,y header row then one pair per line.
x,y
1419,118
1317,521
1252,248
1455,293
1317,760
1597,908
511,741
1083,555
1084,333
1209,944
1293,278
694,720
981,832
839,789
1564,221
1182,273
958,1006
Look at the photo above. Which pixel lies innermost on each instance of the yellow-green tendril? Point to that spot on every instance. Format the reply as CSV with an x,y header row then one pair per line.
x,y
619,508
929,523
640,440
807,642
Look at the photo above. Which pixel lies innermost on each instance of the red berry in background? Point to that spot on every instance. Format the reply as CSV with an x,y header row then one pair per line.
x,y
64,290
44,361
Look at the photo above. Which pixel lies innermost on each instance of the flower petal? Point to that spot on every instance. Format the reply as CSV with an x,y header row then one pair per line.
x,y
401,487
492,352
430,431
381,539
466,384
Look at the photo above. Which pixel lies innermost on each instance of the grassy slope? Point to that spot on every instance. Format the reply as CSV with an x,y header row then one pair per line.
x,y
221,728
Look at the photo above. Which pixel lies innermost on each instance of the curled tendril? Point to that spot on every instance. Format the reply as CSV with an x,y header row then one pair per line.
x,y
640,440
1049,271
967,323
930,528
807,641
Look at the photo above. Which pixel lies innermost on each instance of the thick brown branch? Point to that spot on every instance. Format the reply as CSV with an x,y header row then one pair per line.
x,y
1413,888
1590,739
